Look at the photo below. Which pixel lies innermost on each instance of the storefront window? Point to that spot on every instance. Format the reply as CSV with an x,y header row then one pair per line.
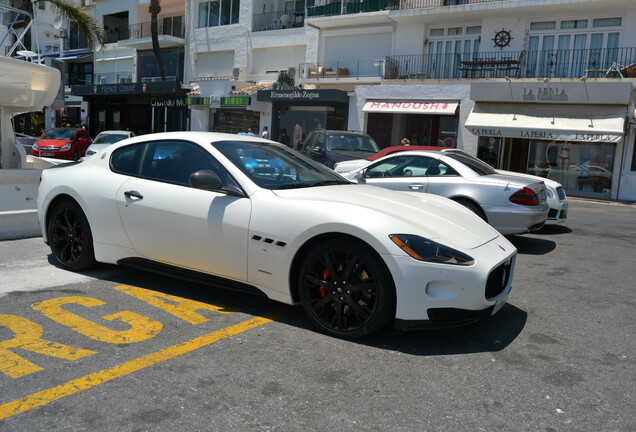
x,y
489,150
584,169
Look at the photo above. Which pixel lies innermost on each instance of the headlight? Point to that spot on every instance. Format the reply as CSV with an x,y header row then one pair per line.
x,y
549,192
35,146
66,147
427,250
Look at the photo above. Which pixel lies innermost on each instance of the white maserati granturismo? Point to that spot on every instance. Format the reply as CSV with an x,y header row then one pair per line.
x,y
256,215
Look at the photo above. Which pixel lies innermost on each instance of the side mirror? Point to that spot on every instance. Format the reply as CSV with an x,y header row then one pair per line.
x,y
206,180
359,176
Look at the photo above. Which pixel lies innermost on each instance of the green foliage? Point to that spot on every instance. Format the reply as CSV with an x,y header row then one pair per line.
x,y
78,14
284,82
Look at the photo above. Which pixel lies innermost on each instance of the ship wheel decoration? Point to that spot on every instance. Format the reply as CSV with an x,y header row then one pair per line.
x,y
502,38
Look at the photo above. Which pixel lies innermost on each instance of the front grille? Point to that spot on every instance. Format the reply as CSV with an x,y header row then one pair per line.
x,y
561,193
498,280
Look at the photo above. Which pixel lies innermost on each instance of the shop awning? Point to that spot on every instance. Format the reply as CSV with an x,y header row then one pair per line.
x,y
411,107
584,123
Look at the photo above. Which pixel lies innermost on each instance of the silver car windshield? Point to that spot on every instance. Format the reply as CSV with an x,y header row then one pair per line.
x,y
481,168
277,166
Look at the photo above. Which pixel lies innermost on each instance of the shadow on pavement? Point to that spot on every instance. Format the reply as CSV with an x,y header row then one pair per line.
x,y
554,230
529,245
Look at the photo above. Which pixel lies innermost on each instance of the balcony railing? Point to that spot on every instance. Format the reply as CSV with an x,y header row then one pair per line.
x,y
612,62
277,20
123,77
341,7
169,26
343,69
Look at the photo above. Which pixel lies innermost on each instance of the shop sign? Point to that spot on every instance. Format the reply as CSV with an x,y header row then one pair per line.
x,y
538,134
302,96
236,101
411,107
197,101
215,102
157,102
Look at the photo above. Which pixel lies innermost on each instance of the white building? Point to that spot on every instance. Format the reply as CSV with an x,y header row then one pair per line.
x,y
528,85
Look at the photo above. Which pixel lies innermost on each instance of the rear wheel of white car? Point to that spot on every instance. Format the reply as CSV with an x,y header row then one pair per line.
x,y
346,290
70,236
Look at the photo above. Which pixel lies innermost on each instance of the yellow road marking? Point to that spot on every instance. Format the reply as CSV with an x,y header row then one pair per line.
x,y
180,307
89,381
28,337
141,328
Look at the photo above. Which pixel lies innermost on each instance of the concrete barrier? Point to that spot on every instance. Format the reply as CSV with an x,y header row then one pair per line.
x,y
18,203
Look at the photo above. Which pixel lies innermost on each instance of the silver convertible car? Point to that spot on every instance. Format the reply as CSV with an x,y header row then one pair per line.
x,y
511,204
256,215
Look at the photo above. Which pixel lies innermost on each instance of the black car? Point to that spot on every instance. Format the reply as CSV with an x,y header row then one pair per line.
x,y
331,146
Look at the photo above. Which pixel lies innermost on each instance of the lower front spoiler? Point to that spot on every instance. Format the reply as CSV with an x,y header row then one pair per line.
x,y
445,318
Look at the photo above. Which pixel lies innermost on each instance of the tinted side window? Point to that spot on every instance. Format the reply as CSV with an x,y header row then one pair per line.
x,y
175,161
400,166
126,159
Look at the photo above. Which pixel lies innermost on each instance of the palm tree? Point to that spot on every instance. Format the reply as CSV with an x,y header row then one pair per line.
x,y
155,9
78,14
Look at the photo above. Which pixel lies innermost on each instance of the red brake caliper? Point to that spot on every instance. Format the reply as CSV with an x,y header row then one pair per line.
x,y
322,290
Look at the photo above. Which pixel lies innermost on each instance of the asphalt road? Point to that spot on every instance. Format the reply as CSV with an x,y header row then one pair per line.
x,y
122,350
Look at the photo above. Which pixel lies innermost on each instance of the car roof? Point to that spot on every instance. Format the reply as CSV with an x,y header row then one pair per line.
x,y
395,149
113,132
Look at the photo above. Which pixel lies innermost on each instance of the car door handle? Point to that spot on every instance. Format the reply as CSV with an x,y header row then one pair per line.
x,y
133,194
416,186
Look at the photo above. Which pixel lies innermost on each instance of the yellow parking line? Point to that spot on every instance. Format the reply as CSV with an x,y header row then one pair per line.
x,y
89,381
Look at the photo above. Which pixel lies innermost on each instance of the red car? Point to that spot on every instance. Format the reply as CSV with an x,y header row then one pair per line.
x,y
62,143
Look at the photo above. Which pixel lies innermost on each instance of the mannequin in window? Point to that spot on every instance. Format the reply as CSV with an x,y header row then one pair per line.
x,y
562,161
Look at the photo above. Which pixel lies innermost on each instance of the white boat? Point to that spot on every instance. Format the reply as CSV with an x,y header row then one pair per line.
x,y
25,85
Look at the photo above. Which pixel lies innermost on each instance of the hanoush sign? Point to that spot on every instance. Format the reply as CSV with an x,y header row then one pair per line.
x,y
411,107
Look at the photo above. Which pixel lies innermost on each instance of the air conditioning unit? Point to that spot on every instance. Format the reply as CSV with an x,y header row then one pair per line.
x,y
291,71
239,73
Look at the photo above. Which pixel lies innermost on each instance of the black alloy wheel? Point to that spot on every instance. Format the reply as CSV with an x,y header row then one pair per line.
x,y
346,290
70,236
76,155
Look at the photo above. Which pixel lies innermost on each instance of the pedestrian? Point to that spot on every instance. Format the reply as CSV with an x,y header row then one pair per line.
x,y
250,132
265,133
298,135
405,142
284,138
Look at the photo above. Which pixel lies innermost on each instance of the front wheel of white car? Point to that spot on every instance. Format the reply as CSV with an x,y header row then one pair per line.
x,y
345,290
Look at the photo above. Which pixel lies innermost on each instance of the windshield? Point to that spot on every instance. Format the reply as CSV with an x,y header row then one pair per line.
x,y
350,142
60,134
481,168
109,138
273,166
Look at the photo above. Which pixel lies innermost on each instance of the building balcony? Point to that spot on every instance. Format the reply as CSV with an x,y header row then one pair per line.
x,y
344,7
591,63
123,77
171,32
277,20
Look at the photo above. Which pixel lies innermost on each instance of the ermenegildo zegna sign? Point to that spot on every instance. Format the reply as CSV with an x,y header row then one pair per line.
x,y
555,91
302,96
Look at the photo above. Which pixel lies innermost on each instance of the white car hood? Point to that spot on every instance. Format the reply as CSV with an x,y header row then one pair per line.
x,y
431,216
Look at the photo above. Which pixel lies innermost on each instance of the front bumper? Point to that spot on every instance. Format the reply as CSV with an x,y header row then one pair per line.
x,y
440,295
53,153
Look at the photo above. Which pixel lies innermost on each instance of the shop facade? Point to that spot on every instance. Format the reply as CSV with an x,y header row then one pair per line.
x,y
218,107
571,131
428,115
298,112
139,107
